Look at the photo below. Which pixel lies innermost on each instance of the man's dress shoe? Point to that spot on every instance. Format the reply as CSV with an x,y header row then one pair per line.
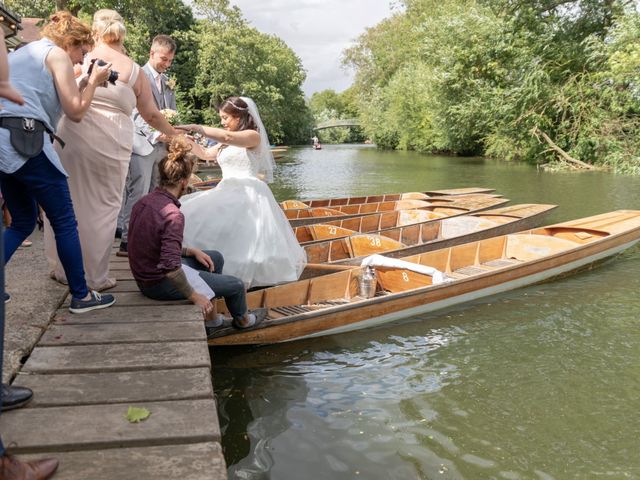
x,y
14,397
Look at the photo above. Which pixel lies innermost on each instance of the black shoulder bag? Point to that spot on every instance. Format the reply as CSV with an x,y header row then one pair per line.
x,y
26,135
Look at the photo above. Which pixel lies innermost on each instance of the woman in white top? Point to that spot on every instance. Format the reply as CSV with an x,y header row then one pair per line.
x,y
240,217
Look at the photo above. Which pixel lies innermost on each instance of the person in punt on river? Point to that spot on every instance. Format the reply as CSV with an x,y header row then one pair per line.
x,y
240,217
166,270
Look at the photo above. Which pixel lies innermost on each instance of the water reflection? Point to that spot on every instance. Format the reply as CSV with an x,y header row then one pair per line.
x,y
538,383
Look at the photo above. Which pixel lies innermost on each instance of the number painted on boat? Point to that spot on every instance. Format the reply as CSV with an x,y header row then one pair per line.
x,y
333,230
405,276
374,241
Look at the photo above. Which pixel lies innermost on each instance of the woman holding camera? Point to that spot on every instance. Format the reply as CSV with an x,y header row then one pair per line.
x,y
30,170
98,149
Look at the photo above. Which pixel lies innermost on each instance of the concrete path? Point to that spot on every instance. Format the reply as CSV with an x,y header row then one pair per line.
x,y
87,370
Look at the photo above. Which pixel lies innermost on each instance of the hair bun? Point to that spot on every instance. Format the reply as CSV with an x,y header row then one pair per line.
x,y
178,148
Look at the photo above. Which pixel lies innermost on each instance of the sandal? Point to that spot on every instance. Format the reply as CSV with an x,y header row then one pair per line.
x,y
259,313
26,243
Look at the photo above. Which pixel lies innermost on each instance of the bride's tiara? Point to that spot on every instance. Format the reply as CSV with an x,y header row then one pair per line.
x,y
238,107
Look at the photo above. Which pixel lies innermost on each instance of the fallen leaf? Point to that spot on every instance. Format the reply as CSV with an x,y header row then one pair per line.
x,y
137,414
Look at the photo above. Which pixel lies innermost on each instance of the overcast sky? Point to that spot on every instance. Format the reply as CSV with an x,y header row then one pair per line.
x,y
318,31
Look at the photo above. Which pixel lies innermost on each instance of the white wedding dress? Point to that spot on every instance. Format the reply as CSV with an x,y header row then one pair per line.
x,y
241,219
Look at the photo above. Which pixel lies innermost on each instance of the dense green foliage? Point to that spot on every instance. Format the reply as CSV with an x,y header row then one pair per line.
x,y
219,55
236,59
490,76
329,105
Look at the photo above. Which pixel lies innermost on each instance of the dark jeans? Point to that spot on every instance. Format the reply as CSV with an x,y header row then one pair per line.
x,y
39,182
226,286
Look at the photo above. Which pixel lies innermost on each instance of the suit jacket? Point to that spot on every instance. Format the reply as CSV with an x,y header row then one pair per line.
x,y
144,137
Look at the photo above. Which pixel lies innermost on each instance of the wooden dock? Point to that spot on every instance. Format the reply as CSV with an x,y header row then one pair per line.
x,y
87,370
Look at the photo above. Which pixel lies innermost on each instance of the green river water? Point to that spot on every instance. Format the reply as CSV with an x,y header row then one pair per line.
x,y
538,383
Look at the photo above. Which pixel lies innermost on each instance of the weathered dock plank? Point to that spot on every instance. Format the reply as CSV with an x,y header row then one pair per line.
x,y
138,314
118,357
198,461
117,387
58,335
86,370
94,427
125,286
122,275
137,299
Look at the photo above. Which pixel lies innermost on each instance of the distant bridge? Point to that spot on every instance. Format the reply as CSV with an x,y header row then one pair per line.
x,y
346,122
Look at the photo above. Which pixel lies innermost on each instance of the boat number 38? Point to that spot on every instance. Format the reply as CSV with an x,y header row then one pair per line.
x,y
374,241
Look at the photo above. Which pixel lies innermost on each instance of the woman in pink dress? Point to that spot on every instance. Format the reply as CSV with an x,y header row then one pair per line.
x,y
98,150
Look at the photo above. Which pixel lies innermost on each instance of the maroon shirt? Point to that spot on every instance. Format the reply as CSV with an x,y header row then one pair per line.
x,y
155,236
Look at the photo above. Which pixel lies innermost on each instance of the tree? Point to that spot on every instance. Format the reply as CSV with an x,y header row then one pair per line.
x,y
236,59
490,76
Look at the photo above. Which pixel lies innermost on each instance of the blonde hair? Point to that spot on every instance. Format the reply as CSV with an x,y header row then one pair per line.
x,y
108,26
178,164
66,31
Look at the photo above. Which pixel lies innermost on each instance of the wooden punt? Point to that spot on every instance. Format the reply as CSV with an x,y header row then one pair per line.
x,y
418,237
330,304
446,205
333,202
206,184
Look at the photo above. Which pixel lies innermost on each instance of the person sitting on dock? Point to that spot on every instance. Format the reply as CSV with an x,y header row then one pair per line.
x,y
162,267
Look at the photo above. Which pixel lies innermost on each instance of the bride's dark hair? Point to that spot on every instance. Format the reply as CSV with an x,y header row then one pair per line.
x,y
238,108
178,164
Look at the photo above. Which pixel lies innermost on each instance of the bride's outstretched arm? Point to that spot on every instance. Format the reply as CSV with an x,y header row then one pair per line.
x,y
243,138
208,154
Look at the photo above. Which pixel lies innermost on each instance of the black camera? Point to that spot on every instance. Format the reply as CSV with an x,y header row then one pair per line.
x,y
113,76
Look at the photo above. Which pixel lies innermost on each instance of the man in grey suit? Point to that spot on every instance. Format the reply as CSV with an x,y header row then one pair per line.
x,y
149,146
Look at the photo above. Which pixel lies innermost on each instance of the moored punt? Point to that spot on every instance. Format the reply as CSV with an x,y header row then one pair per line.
x,y
331,304
364,224
333,202
279,152
446,205
206,184
421,237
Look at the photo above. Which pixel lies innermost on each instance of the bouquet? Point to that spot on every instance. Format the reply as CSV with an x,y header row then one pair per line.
x,y
172,116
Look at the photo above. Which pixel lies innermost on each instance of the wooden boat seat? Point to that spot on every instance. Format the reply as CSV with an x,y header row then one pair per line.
x,y
501,263
293,204
408,217
414,196
363,245
325,232
410,204
463,225
398,279
527,247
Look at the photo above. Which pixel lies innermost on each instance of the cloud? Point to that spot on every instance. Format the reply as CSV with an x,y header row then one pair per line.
x,y
318,31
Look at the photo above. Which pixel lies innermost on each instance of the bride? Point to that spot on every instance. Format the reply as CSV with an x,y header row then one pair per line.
x,y
240,217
